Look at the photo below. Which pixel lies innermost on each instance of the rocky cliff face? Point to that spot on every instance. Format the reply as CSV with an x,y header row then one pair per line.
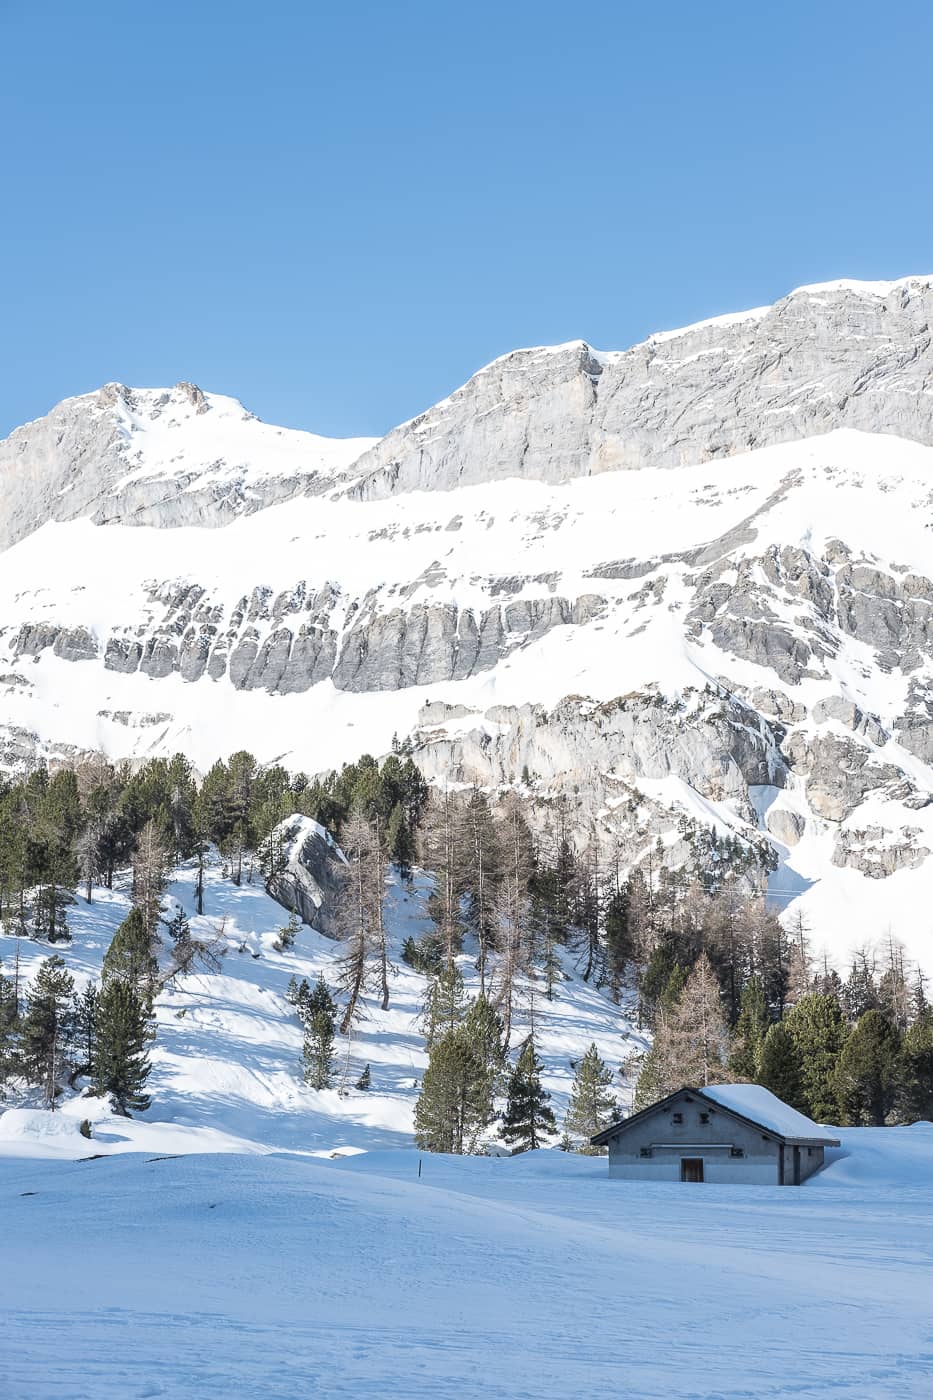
x,y
683,587
856,356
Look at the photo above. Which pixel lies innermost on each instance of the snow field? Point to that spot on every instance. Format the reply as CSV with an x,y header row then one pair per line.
x,y
272,1276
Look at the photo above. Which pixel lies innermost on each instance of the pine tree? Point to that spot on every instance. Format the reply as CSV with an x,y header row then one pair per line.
x,y
178,927
445,1005
620,940
483,1026
86,1027
130,959
860,993
750,1031
592,1106
868,1071
48,1027
287,934
816,1026
9,1019
916,1102
318,1053
779,1066
455,1103
528,1117
121,1064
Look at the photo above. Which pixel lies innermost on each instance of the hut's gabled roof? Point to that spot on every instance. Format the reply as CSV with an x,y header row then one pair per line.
x,y
751,1104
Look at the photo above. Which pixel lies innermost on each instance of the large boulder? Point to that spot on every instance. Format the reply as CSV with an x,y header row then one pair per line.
x,y
307,876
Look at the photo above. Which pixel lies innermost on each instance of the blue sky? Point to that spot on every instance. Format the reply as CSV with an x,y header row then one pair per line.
x,y
337,212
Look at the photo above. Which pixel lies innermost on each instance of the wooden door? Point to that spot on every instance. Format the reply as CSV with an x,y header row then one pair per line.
x,y
691,1168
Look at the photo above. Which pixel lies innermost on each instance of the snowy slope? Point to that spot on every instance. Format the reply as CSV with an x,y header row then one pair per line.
x,y
267,1277
570,541
226,1062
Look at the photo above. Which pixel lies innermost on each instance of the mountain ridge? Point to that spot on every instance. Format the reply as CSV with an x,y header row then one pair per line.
x,y
702,630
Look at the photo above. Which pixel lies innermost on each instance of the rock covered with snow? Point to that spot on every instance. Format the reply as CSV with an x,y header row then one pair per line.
x,y
306,875
160,457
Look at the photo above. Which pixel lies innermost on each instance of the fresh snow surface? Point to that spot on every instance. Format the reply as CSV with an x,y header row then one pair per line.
x,y
765,1108
226,1062
528,1278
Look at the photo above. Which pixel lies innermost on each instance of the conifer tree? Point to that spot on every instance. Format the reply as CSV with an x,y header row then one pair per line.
x,y
456,1099
868,1071
121,1064
318,1052
9,1019
445,1004
592,1106
620,940
860,993
483,1026
86,1027
816,1026
750,1031
779,1066
528,1117
916,1102
317,1011
130,959
48,1027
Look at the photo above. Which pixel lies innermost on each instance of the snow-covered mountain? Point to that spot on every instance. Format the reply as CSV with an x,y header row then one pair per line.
x,y
690,579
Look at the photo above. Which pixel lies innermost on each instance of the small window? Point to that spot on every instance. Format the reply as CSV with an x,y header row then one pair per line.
x,y
737,1152
645,1152
704,1117
678,1117
809,1151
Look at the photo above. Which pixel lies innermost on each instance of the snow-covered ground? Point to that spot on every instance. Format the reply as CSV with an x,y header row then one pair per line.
x,y
226,1062
531,1277
249,1237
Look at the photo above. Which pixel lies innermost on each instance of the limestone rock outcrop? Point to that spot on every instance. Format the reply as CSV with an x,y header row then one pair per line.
x,y
306,874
